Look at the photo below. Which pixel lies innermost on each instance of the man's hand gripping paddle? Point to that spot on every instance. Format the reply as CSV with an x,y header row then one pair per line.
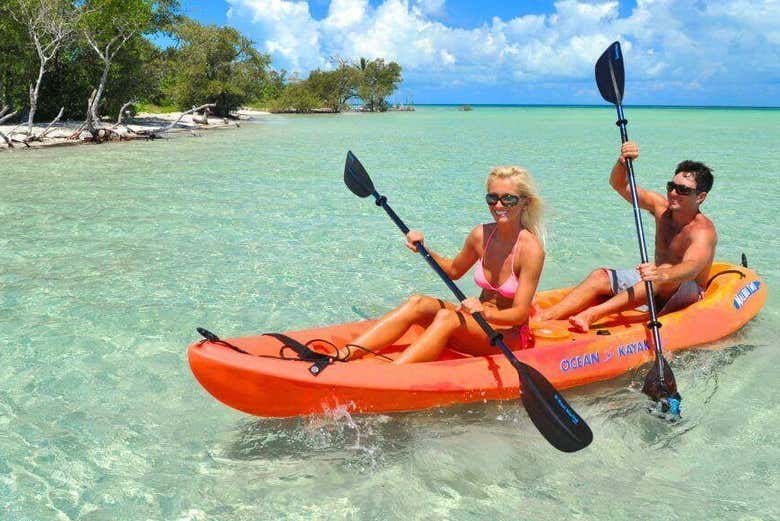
x,y
659,383
554,418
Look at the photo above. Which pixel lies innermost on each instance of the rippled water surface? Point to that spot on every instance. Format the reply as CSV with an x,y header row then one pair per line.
x,y
110,256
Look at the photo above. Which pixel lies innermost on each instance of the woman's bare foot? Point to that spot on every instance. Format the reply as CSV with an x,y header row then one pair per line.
x,y
581,322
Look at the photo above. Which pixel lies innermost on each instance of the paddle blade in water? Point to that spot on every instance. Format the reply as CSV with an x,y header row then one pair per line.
x,y
356,177
653,387
610,76
551,414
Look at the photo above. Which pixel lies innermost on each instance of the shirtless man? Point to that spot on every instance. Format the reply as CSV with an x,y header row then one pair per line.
x,y
684,250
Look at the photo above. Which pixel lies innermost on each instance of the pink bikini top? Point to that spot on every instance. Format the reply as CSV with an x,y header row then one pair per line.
x,y
509,287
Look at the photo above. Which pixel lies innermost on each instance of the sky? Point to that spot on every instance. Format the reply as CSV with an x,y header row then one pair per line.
x,y
676,52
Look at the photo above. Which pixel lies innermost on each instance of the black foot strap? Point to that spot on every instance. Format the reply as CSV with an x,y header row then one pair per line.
x,y
320,360
305,354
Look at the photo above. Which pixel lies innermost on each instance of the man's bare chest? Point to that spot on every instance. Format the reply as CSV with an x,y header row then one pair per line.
x,y
671,242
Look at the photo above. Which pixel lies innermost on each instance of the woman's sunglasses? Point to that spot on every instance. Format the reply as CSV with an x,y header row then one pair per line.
x,y
680,189
508,200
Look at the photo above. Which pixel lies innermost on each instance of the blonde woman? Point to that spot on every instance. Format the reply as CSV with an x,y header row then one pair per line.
x,y
509,255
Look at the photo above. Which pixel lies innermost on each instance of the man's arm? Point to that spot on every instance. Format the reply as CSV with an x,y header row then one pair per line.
x,y
653,202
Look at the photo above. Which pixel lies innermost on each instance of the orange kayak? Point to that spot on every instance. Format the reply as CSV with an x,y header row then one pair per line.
x,y
261,383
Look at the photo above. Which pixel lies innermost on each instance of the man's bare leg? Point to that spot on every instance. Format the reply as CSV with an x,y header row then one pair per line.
x,y
595,285
629,299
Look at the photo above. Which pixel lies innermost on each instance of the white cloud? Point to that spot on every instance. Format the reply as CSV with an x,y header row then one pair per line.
x,y
430,7
675,43
345,13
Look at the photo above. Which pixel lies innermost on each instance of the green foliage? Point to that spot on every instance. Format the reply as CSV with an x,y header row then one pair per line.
x,y
296,97
155,109
16,60
370,80
217,65
378,80
107,20
335,87
209,64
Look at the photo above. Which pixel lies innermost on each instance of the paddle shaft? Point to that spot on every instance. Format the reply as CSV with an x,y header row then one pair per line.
x,y
495,338
640,233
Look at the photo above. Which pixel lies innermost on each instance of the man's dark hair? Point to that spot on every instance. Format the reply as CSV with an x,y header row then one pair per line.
x,y
702,174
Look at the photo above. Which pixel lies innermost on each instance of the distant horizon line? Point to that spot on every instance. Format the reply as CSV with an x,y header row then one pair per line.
x,y
581,105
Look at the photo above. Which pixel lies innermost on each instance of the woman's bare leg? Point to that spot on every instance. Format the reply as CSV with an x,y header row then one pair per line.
x,y
430,344
418,309
456,330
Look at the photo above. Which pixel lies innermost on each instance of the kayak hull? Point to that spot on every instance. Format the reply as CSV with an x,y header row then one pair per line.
x,y
264,385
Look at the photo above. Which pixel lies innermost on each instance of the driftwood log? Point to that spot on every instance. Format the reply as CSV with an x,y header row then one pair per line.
x,y
99,132
155,132
87,120
5,116
54,121
204,120
122,113
32,137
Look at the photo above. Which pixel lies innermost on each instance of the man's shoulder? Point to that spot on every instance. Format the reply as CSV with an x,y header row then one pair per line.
x,y
702,221
703,225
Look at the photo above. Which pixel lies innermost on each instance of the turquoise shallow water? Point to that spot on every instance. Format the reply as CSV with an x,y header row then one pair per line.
x,y
110,256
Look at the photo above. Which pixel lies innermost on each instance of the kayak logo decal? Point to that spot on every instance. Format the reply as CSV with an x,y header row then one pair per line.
x,y
745,293
577,362
632,349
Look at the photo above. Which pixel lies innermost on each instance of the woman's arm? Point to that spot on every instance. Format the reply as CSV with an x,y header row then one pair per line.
x,y
456,267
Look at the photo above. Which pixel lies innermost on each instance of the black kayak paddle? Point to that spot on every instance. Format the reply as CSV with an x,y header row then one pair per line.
x,y
660,384
551,414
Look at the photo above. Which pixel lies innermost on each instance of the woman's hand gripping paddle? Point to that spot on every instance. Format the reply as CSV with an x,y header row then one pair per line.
x,y
659,383
554,418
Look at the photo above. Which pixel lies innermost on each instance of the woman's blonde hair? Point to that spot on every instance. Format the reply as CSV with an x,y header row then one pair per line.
x,y
531,219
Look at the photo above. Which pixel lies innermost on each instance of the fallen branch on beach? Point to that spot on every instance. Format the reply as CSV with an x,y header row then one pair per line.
x,y
54,121
77,133
202,120
122,113
4,117
127,127
42,135
153,133
99,132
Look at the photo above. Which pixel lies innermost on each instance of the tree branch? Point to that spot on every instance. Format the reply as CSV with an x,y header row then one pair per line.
x,y
48,128
5,117
154,132
122,111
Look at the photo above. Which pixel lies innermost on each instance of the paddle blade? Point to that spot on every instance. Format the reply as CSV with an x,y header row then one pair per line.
x,y
653,387
551,414
356,177
610,76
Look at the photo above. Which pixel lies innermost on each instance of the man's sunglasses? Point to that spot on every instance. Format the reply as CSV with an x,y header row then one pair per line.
x,y
680,189
508,200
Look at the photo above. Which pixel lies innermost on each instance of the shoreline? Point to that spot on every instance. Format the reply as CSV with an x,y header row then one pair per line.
x,y
133,129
